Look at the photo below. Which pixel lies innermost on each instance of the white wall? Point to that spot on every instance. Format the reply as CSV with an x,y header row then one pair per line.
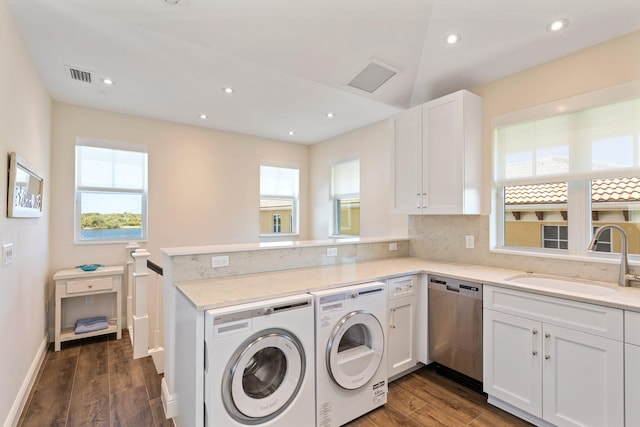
x,y
372,144
25,114
203,184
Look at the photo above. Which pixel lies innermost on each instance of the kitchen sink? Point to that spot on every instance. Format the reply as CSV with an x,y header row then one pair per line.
x,y
567,284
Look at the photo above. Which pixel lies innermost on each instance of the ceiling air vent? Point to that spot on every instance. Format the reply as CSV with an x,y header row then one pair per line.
x,y
372,76
80,75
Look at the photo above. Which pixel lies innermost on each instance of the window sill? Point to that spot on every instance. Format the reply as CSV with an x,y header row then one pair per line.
x,y
613,258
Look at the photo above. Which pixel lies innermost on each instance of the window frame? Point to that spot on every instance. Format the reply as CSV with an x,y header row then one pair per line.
x,y
79,190
579,222
294,200
336,197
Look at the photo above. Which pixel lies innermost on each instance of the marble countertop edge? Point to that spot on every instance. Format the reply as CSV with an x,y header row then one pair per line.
x,y
222,292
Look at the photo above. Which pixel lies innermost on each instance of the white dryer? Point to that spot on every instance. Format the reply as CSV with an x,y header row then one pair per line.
x,y
351,369
260,363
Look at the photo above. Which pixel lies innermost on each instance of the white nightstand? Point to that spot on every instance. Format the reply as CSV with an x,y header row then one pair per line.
x,y
77,283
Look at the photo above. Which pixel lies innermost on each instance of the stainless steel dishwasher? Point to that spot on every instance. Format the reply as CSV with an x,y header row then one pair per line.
x,y
455,325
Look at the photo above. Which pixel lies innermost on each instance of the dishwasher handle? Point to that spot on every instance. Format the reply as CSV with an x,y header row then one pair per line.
x,y
452,289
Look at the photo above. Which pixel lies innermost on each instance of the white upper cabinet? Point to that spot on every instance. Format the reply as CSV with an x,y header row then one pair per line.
x,y
437,157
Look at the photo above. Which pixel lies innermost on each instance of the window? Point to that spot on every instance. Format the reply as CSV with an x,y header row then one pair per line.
x,y
345,190
562,176
604,241
111,192
554,236
277,223
278,200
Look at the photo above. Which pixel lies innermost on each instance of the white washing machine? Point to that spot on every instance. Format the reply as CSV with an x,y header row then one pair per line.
x,y
260,363
351,368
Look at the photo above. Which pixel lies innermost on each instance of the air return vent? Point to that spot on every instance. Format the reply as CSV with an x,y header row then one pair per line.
x,y
372,76
79,75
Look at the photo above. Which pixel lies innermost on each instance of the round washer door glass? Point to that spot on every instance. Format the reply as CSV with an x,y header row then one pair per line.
x,y
355,349
263,376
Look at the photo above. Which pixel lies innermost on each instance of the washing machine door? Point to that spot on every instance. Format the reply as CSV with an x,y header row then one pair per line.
x,y
354,350
263,376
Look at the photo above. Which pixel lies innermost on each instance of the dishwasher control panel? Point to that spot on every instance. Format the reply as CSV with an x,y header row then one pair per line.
x,y
461,287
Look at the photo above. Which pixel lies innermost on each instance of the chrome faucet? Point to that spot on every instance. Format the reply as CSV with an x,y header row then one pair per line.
x,y
624,277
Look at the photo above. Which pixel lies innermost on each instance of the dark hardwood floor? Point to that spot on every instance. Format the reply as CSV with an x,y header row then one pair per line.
x,y
95,382
425,398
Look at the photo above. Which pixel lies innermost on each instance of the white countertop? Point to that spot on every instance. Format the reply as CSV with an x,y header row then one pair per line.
x,y
243,247
214,293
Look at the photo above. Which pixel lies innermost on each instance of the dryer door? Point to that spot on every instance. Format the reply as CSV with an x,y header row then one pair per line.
x,y
263,376
355,349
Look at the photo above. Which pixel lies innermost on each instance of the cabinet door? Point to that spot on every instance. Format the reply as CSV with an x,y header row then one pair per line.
x,y
512,363
632,384
401,336
406,194
443,154
583,378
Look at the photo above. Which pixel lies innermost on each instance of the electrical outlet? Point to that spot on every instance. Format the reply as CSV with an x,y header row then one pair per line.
x,y
220,261
332,251
7,254
393,246
469,241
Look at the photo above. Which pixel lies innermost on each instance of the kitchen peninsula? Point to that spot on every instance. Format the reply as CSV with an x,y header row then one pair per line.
x,y
192,286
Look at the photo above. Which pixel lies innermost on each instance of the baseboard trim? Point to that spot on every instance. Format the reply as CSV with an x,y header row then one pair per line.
x,y
157,354
169,403
23,394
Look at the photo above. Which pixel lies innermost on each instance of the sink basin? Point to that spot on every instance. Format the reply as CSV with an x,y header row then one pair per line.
x,y
567,284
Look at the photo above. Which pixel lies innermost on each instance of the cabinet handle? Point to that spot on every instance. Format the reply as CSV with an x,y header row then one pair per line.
x,y
90,286
424,200
534,352
547,357
534,332
547,335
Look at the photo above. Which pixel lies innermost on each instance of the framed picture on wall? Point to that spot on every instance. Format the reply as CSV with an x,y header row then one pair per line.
x,y
24,196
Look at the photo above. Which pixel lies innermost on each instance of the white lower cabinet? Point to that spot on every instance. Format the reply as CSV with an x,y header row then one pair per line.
x,y
553,361
632,367
401,331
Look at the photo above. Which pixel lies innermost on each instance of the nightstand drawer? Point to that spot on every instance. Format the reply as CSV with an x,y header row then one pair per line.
x,y
89,285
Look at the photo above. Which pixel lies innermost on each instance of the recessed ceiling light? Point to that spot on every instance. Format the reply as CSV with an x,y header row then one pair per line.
x,y
557,25
228,90
203,116
291,132
108,82
172,1
330,115
453,38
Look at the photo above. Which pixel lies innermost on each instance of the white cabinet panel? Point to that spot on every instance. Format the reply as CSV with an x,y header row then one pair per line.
x,y
512,360
632,384
401,335
583,379
406,195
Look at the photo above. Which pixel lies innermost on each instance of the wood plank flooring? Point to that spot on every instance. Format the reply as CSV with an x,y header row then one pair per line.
x,y
96,382
425,398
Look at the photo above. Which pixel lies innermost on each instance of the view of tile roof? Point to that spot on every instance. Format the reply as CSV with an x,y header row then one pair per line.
x,y
602,190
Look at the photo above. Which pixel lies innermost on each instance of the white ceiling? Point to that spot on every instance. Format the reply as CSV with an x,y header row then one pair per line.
x,y
289,60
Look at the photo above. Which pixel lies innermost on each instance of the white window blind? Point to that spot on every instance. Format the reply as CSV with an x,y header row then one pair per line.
x,y
108,169
345,178
281,182
599,142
